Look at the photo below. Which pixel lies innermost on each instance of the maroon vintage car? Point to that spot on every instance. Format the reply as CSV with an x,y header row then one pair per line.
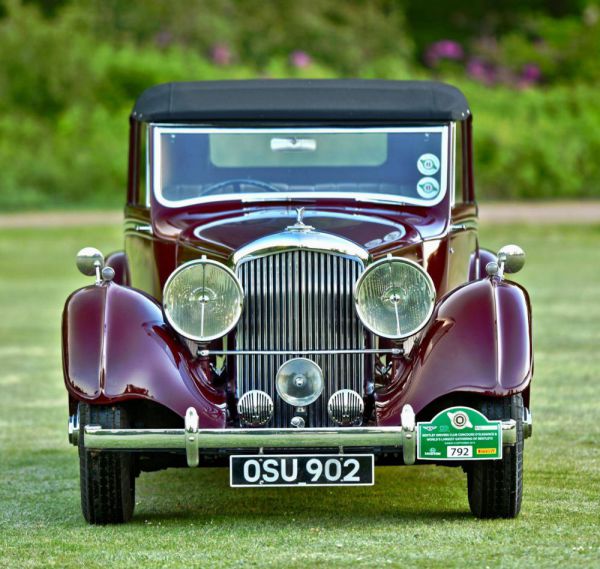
x,y
301,296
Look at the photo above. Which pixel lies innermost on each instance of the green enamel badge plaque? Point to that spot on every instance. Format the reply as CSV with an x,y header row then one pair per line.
x,y
459,433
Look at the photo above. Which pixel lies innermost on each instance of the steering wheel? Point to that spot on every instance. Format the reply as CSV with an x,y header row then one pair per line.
x,y
237,182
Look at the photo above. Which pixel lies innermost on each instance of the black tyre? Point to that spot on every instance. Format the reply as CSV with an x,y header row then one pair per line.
x,y
107,479
495,487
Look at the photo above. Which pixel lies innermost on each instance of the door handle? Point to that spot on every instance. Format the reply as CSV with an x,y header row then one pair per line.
x,y
143,228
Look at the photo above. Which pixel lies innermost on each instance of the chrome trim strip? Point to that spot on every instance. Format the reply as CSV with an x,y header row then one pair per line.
x,y
299,241
527,423
143,228
464,225
97,438
452,144
138,227
73,429
409,434
509,432
192,439
143,166
393,351
158,130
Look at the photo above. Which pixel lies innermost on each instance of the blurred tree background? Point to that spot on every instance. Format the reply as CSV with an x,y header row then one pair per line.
x,y
71,69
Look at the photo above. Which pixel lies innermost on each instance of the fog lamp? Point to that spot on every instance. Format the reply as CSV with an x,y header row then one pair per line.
x,y
346,407
299,382
255,408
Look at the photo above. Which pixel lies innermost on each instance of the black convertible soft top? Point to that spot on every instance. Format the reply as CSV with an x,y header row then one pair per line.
x,y
302,100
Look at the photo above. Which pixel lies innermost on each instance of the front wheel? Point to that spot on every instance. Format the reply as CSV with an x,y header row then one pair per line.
x,y
495,487
107,478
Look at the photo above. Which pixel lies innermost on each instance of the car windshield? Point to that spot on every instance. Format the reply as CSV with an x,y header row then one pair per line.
x,y
192,165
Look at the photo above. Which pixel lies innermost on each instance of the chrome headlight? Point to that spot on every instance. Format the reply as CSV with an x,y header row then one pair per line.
x,y
299,382
203,300
394,298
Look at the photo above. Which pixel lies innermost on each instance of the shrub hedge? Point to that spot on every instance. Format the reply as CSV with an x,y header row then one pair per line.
x,y
65,97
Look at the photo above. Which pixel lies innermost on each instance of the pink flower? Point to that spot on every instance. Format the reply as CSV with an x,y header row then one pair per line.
x,y
443,49
300,59
221,54
481,71
531,73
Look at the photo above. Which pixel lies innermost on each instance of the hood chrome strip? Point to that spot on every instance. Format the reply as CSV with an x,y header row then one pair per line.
x,y
299,240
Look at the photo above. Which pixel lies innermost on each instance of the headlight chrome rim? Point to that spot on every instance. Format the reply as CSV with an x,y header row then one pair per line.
x,y
176,273
430,286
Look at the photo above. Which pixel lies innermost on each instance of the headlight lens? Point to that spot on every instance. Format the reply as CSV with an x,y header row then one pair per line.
x,y
203,300
299,382
394,298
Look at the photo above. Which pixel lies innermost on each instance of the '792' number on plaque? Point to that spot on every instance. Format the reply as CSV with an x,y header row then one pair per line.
x,y
460,451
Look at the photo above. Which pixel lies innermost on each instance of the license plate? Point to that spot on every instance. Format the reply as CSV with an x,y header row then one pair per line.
x,y
302,470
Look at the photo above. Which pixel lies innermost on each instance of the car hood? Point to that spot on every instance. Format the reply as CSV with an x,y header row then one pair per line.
x,y
376,232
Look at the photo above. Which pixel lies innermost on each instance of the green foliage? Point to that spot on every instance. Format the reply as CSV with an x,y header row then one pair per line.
x,y
69,76
536,143
464,20
564,50
63,114
256,31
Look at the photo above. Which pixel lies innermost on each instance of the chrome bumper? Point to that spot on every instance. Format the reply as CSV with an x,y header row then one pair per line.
x,y
192,439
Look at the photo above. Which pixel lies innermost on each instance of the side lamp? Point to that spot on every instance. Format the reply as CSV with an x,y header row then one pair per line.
x,y
510,259
90,262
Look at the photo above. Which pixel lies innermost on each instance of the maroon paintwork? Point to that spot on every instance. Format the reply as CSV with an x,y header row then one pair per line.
x,y
117,346
478,342
118,261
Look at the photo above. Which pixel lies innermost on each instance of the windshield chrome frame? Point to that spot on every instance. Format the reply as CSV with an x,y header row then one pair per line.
x,y
156,130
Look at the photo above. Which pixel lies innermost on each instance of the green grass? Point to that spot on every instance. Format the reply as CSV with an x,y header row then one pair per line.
x,y
413,517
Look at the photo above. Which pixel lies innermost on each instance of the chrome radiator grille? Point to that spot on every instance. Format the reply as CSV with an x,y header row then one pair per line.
x,y
300,300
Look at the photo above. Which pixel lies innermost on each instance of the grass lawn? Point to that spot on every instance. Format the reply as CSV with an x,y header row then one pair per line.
x,y
413,517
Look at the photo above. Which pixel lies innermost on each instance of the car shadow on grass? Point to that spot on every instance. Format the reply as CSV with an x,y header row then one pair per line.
x,y
203,495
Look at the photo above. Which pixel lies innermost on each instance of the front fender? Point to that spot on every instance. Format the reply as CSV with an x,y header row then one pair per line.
x,y
478,262
117,347
479,341
118,261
